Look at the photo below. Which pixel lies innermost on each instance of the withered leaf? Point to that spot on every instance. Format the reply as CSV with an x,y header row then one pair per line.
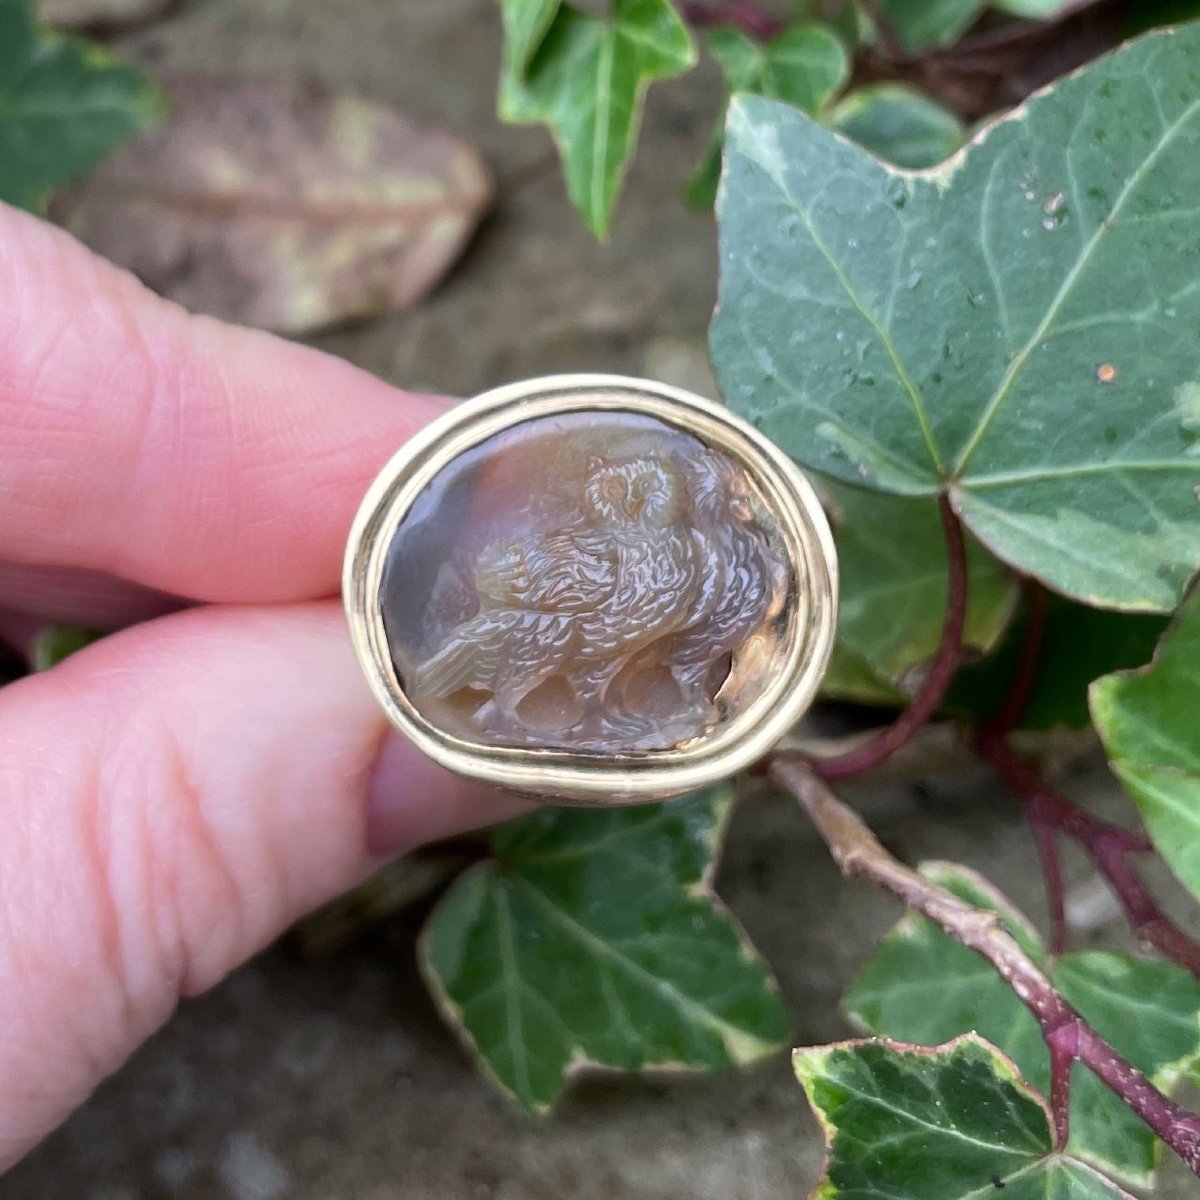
x,y
281,205
99,14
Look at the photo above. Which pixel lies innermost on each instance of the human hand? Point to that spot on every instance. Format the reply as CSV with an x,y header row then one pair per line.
x,y
174,796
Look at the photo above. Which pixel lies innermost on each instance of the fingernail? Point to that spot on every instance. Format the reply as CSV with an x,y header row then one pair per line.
x,y
411,801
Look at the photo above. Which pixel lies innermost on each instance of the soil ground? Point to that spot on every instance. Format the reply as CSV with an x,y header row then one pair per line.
x,y
333,1078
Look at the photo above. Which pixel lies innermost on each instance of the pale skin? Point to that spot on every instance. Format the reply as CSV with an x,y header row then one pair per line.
x,y
175,796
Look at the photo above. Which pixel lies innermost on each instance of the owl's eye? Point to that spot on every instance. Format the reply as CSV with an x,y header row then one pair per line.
x,y
610,489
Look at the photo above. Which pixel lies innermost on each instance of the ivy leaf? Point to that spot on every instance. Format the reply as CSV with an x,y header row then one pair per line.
x,y
586,82
53,643
526,23
1032,10
1142,17
1017,327
899,124
852,24
919,24
954,1122
803,66
1148,722
892,568
594,938
1079,644
64,105
921,986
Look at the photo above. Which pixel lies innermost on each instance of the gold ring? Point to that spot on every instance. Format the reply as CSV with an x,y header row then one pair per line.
x,y
592,590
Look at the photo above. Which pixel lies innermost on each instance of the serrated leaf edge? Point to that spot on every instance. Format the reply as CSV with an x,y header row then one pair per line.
x,y
743,1049
806,1061
941,176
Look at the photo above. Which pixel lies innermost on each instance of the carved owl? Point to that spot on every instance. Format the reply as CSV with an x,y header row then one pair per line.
x,y
576,604
744,583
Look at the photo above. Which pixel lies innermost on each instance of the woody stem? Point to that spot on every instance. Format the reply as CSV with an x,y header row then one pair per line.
x,y
938,677
1068,1036
1107,845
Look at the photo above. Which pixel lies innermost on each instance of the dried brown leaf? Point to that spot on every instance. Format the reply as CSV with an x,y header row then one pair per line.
x,y
99,14
281,205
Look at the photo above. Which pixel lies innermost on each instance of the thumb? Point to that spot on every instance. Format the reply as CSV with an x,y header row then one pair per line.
x,y
174,797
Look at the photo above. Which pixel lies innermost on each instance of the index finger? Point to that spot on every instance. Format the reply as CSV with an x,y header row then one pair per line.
x,y
213,462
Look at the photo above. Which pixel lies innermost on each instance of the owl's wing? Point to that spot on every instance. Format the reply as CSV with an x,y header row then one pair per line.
x,y
702,577
568,571
679,571
476,652
500,573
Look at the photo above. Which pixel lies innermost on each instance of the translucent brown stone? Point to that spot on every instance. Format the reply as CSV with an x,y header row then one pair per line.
x,y
580,582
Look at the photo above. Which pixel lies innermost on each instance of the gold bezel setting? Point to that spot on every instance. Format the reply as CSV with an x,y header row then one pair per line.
x,y
759,722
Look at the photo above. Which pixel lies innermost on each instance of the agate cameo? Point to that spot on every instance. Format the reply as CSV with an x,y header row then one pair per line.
x,y
592,588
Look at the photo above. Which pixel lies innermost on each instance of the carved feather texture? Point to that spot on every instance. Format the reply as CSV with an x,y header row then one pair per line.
x,y
664,576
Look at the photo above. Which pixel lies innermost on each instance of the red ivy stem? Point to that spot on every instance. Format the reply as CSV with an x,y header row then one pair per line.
x,y
743,15
1109,847
1046,841
1029,660
1011,711
937,679
1068,1036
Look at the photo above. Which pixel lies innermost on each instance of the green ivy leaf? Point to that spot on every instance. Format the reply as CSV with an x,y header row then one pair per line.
x,y
1018,326
899,124
919,24
803,66
701,190
594,937
1079,644
955,1122
1141,17
53,643
1032,10
853,25
921,986
892,568
526,23
586,82
1149,723
64,105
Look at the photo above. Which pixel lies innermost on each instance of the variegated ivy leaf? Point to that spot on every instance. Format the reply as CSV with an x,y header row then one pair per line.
x,y
952,1122
594,938
1017,327
920,986
586,81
